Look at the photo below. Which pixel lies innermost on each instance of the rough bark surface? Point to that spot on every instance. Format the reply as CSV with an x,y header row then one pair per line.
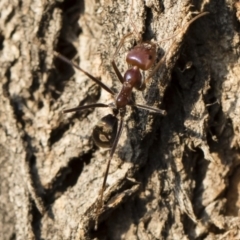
x,y
172,177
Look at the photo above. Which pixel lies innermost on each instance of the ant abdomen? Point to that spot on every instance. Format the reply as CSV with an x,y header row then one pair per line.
x,y
105,131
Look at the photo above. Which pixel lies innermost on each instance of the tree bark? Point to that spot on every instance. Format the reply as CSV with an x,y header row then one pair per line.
x,y
173,176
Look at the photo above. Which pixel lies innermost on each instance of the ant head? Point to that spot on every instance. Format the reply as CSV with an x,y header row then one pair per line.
x,y
142,55
105,131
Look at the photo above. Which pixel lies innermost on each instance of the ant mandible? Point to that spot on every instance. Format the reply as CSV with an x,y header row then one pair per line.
x,y
108,131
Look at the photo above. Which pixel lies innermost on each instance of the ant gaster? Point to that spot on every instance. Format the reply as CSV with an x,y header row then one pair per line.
x,y
108,131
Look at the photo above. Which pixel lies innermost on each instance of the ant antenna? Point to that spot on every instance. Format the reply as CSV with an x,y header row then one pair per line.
x,y
138,36
172,45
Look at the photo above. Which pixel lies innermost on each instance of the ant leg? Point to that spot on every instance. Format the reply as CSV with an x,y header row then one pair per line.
x,y
119,75
114,146
184,28
95,105
101,84
162,60
152,109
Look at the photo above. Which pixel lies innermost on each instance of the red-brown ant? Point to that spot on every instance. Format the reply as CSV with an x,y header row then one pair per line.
x,y
107,132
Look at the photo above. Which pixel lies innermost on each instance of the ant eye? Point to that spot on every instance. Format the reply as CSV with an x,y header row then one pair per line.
x,y
105,131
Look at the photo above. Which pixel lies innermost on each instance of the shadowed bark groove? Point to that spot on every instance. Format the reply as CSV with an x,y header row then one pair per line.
x,y
172,177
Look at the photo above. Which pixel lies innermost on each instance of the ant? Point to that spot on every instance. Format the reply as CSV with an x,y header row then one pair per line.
x,y
109,129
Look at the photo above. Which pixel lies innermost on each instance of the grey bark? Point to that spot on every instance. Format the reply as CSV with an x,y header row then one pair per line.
x,y
172,177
